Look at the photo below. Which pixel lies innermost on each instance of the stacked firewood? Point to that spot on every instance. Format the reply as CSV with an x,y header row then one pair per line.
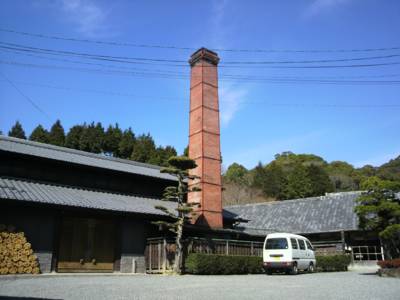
x,y
16,255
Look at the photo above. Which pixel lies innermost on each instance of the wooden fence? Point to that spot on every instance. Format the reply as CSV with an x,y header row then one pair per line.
x,y
160,252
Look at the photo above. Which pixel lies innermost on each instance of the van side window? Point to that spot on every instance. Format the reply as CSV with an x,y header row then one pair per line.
x,y
302,245
309,246
294,244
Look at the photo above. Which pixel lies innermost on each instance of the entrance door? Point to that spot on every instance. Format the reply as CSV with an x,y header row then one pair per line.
x,y
86,245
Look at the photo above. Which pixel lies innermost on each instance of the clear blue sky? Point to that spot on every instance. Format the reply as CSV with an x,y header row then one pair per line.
x,y
352,122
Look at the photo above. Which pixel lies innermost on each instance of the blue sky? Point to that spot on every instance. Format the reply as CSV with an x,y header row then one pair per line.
x,y
352,122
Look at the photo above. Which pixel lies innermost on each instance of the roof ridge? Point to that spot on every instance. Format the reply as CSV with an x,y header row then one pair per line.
x,y
76,187
78,152
329,195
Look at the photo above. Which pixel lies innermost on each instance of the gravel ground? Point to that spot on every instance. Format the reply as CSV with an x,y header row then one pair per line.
x,y
343,285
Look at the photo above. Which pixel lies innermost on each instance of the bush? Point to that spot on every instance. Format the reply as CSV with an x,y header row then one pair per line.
x,y
331,263
212,264
389,264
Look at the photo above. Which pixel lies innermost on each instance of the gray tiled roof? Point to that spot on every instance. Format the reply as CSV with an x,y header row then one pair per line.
x,y
21,146
333,212
23,190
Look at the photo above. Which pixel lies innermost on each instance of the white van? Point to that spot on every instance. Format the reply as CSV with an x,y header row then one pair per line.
x,y
288,252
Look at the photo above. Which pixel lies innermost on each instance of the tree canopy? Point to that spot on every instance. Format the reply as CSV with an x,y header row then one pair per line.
x,y
17,131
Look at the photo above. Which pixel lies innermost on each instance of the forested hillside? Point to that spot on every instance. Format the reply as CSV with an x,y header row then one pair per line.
x,y
93,137
291,176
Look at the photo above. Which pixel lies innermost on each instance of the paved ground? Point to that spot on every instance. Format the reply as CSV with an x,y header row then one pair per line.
x,y
343,285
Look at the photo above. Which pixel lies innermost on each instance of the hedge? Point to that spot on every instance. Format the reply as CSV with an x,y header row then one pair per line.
x,y
389,264
330,263
212,264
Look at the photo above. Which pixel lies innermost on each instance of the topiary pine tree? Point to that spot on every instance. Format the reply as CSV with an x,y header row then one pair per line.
x,y
179,166
17,131
379,210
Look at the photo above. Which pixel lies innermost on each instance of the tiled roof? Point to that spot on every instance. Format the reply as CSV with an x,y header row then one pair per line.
x,y
333,212
23,190
21,146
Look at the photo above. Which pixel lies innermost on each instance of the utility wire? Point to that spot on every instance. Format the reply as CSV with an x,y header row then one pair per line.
x,y
223,75
102,56
173,76
26,97
127,44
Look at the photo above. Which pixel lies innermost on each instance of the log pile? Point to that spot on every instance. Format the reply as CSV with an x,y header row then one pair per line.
x,y
16,255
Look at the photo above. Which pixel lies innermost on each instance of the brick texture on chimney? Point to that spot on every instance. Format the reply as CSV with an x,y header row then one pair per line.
x,y
204,137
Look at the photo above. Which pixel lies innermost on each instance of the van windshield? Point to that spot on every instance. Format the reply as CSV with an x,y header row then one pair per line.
x,y
278,243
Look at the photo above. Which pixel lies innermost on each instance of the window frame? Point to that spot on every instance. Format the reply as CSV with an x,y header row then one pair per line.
x,y
302,242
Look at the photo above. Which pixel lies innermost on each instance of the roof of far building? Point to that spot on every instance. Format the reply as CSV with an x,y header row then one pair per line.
x,y
330,213
44,193
73,156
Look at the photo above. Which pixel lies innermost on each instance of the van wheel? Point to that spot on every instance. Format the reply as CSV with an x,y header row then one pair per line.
x,y
294,270
311,268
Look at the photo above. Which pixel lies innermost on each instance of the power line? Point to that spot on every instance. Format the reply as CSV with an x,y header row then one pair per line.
x,y
232,78
127,44
19,47
186,74
26,97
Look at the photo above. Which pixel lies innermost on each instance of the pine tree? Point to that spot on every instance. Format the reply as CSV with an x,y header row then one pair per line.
x,y
57,134
73,137
112,138
39,134
92,138
298,184
17,131
125,146
319,179
179,166
144,149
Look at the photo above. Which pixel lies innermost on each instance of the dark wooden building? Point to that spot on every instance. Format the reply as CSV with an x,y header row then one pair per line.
x,y
81,211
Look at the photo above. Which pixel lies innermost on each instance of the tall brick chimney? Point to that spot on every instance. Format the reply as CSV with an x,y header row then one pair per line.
x,y
204,137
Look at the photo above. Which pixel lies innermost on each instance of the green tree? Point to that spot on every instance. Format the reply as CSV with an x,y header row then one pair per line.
x,y
162,155
57,134
179,166
298,184
92,138
236,174
343,176
39,134
17,131
186,151
73,138
319,179
112,138
144,149
379,210
375,182
275,181
390,170
126,144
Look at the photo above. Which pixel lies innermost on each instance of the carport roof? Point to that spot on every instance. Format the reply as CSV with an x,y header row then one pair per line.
x,y
21,146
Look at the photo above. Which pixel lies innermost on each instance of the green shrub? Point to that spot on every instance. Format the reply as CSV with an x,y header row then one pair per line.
x,y
331,263
212,264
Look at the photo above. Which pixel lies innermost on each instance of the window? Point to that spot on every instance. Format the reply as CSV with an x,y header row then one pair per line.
x,y
302,245
294,244
309,246
278,243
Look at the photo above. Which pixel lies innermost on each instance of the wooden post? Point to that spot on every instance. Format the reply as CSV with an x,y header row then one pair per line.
x,y
164,254
343,241
150,267
227,247
159,255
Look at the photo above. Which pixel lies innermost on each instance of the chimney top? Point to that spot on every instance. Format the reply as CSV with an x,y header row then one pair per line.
x,y
204,54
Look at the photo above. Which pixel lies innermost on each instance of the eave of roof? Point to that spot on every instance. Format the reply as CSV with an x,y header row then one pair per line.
x,y
19,190
73,156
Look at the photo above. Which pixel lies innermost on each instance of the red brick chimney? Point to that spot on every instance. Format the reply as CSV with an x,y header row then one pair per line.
x,y
204,137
